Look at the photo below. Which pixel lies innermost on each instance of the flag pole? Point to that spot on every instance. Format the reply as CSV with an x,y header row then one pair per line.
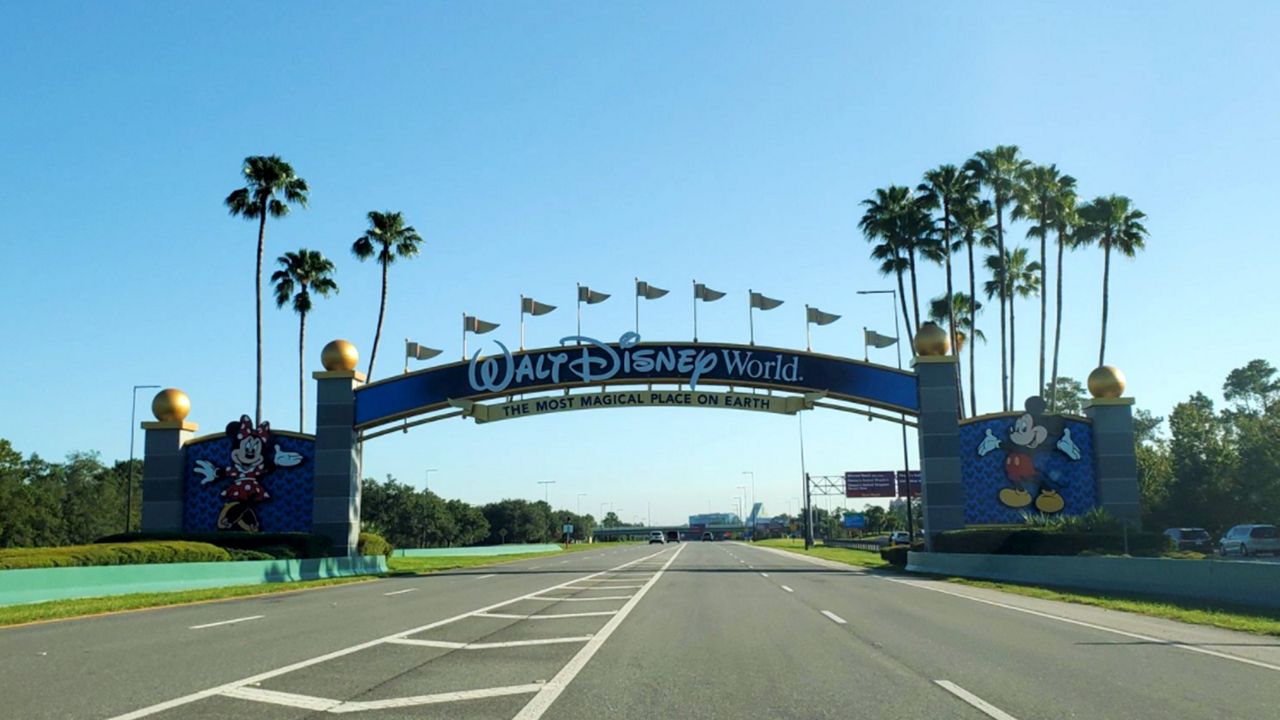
x,y
695,310
637,306
464,336
866,354
808,342
751,317
579,311
406,356
521,322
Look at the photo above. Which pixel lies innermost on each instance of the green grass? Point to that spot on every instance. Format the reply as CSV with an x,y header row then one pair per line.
x,y
64,609
1188,611
848,556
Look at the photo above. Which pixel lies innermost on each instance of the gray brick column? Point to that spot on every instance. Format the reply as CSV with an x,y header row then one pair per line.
x,y
1115,456
162,473
336,505
942,492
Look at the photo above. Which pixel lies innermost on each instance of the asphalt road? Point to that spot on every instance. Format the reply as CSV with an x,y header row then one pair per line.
x,y
698,630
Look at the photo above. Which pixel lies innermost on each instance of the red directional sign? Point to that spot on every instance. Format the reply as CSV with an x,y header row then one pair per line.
x,y
869,484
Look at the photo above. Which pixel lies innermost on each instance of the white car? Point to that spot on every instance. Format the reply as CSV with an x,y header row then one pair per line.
x,y
899,537
657,537
1250,540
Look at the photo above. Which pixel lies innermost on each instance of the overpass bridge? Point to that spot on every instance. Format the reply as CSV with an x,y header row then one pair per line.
x,y
686,532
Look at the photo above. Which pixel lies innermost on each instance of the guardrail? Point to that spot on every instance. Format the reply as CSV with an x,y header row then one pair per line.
x,y
1240,583
856,544
477,550
66,583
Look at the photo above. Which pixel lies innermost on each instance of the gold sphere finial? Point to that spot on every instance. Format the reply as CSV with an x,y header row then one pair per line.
x,y
1106,382
932,340
339,355
171,405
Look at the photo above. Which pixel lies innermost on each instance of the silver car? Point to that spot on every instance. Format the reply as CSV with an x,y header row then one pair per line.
x,y
1250,540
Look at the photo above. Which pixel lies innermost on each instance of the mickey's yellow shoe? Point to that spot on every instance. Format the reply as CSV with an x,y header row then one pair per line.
x,y
1049,502
1015,497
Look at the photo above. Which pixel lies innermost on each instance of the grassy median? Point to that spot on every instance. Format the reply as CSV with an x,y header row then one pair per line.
x,y
65,609
848,556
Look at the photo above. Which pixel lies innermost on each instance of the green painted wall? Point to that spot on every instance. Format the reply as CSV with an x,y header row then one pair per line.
x,y
480,550
43,584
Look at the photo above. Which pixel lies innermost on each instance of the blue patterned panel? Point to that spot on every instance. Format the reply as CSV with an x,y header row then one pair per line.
x,y
288,510
984,477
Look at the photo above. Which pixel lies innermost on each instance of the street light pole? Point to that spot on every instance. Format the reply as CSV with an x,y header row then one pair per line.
x,y
546,490
426,480
133,424
906,462
580,496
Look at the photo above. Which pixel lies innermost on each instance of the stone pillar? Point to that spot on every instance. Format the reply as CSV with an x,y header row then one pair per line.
x,y
942,492
1115,458
163,461
336,505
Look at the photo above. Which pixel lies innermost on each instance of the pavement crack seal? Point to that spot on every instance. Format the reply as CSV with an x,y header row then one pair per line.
x,y
540,703
240,686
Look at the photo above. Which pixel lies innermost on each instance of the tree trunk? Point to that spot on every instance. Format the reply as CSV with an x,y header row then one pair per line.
x,y
1044,286
906,318
302,363
1106,279
1004,351
973,333
1013,350
257,294
1057,331
951,305
915,292
377,334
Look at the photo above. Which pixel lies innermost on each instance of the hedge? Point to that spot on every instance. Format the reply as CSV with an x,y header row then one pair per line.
x,y
135,553
279,545
1021,541
373,544
896,555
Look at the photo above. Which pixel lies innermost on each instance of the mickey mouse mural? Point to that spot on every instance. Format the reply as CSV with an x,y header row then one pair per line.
x,y
255,454
1033,437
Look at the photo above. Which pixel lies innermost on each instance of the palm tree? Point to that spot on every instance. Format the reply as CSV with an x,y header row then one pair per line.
x,y
998,171
962,309
947,188
1037,192
880,221
919,237
1115,224
1013,278
267,179
974,218
307,271
388,238
1065,220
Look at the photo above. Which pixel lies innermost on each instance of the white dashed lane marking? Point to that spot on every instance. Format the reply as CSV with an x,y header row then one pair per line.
x,y
987,708
226,622
400,592
784,587
835,618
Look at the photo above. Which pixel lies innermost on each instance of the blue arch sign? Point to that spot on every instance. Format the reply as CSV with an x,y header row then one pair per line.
x,y
585,362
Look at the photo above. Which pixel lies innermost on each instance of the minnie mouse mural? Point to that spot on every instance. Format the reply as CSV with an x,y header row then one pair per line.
x,y
254,455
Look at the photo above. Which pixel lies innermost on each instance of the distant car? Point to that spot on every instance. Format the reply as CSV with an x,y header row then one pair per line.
x,y
1191,538
1250,540
706,537
657,537
900,537
673,536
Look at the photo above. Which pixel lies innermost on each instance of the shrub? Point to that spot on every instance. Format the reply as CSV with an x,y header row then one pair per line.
x,y
138,553
249,555
896,555
304,545
371,544
1028,541
279,552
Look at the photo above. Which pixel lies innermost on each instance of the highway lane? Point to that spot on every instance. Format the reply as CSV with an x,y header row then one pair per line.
x,y
101,666
706,630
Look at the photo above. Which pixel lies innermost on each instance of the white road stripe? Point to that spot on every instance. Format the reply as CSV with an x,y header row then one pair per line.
x,y
784,587
1092,626
986,707
275,697
449,644
610,587
252,679
835,618
525,643
578,599
226,622
485,577
538,705
557,616
361,706
764,574
400,592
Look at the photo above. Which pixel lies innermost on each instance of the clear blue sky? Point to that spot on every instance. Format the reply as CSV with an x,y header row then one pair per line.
x,y
536,145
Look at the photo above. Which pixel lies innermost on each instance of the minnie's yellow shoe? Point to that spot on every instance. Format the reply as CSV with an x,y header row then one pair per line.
x,y
1015,497
1049,502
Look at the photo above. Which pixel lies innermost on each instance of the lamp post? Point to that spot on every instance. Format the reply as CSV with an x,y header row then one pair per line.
x,y
546,490
580,496
426,479
133,424
906,462
753,495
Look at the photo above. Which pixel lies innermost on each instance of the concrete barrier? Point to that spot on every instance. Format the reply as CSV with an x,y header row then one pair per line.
x,y
476,550
65,583
1240,583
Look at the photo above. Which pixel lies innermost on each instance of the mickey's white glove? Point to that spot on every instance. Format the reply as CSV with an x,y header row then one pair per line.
x,y
989,443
